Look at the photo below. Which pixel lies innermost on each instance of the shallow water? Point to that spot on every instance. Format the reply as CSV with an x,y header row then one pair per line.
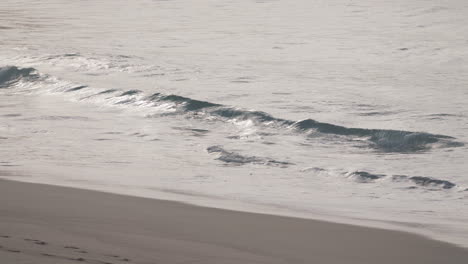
x,y
354,112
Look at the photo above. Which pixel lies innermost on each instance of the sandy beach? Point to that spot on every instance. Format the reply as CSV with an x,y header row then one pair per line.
x,y
48,224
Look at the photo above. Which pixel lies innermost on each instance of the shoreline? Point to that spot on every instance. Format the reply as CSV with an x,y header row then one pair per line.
x,y
43,223
218,202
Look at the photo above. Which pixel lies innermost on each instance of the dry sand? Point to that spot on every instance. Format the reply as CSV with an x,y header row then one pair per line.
x,y
47,224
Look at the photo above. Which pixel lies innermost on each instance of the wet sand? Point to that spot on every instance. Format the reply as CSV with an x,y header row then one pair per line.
x,y
47,224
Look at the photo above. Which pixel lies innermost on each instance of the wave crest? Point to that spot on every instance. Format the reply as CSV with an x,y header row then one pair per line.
x,y
426,181
384,139
12,74
422,181
380,139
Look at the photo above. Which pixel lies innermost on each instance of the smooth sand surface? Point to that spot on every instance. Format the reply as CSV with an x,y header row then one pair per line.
x,y
48,224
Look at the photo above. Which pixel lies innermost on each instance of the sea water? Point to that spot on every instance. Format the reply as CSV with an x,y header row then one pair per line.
x,y
350,111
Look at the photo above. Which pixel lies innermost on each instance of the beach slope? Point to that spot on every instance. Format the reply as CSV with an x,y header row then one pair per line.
x,y
47,224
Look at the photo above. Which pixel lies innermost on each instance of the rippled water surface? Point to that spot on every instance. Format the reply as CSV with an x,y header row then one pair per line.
x,y
353,111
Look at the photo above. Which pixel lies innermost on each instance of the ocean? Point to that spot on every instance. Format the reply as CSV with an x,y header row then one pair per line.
x,y
340,110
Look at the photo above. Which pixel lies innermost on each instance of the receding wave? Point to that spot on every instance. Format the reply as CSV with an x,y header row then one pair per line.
x,y
426,181
385,140
12,74
233,158
423,181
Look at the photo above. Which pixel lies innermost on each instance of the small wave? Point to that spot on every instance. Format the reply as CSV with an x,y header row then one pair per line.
x,y
74,89
126,101
187,103
240,114
233,158
108,91
380,139
12,74
441,116
130,92
364,176
377,113
426,181
383,139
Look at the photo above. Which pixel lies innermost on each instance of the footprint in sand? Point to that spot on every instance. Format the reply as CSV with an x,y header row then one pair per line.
x,y
77,249
36,241
119,258
71,247
74,248
63,257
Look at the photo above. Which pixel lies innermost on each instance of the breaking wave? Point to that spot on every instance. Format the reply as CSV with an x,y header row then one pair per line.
x,y
384,139
11,74
162,104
